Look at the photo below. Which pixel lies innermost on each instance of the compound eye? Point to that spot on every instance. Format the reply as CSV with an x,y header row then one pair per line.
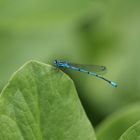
x,y
55,61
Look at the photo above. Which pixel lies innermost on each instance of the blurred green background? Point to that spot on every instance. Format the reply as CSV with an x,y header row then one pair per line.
x,y
80,31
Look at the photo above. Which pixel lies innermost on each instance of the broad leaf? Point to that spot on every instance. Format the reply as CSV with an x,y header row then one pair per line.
x,y
40,103
115,125
133,133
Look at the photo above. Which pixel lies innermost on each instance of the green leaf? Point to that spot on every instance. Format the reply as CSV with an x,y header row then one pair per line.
x,y
115,125
133,133
40,103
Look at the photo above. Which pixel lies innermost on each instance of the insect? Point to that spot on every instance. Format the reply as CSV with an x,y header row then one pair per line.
x,y
94,70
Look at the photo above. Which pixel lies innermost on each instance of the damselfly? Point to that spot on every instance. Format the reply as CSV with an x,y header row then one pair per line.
x,y
94,70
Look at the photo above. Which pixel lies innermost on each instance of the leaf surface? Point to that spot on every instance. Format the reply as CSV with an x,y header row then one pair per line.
x,y
116,124
40,103
133,133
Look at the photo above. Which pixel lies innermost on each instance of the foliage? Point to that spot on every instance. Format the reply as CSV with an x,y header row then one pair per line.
x,y
41,103
80,31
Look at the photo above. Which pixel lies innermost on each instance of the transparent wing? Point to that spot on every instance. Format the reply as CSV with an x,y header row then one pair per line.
x,y
91,68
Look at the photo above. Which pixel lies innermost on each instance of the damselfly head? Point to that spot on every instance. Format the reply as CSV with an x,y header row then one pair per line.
x,y
55,62
59,63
